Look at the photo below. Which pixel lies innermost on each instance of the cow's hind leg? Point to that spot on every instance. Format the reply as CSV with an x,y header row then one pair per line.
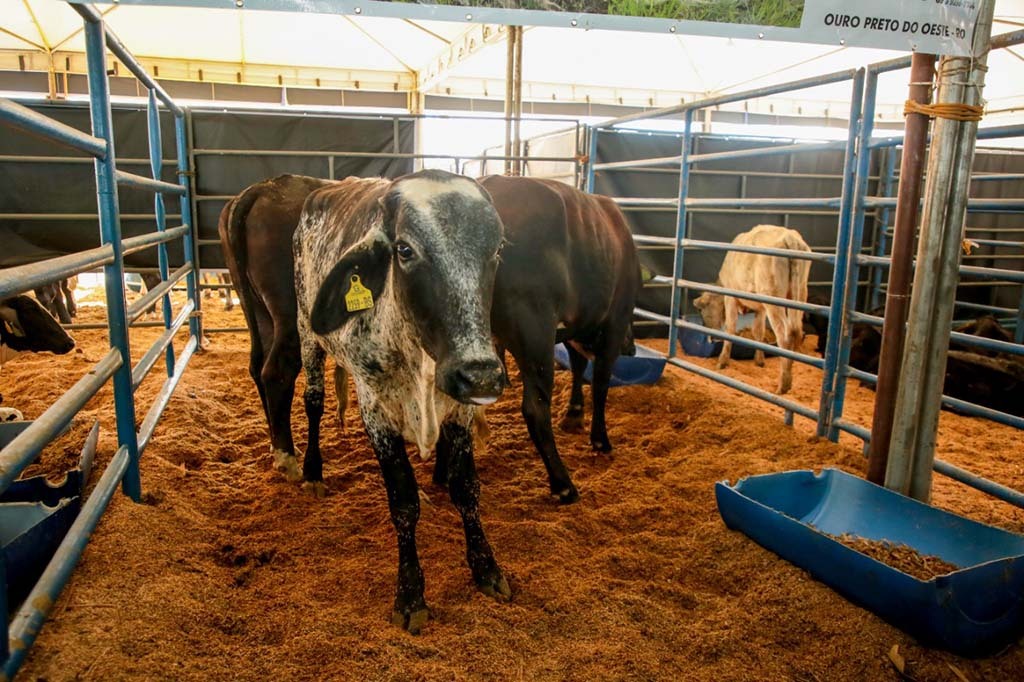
x,y
312,462
341,392
607,352
410,611
573,419
758,330
280,370
69,298
731,311
455,447
783,338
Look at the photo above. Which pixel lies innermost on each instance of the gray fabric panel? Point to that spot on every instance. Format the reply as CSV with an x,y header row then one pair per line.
x,y
70,187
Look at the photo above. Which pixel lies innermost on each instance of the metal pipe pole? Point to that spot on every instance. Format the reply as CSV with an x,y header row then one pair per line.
x,y
898,293
510,59
517,104
110,233
961,80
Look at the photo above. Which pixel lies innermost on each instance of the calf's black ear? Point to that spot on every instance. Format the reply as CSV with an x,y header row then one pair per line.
x,y
353,285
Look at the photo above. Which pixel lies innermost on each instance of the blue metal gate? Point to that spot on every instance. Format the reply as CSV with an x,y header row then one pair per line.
x,y
116,365
847,259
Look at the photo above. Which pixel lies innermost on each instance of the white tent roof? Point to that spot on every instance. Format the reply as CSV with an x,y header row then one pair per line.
x,y
560,64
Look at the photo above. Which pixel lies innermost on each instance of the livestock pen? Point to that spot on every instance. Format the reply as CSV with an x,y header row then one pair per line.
x,y
227,572
116,364
849,203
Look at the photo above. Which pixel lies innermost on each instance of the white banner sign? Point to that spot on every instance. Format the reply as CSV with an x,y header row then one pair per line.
x,y
933,26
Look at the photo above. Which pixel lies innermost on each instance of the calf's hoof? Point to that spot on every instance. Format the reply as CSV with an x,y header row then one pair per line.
x,y
567,495
286,463
571,423
759,362
495,586
316,488
600,444
413,621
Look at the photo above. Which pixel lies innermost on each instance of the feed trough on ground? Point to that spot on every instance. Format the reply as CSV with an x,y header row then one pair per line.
x,y
645,367
973,611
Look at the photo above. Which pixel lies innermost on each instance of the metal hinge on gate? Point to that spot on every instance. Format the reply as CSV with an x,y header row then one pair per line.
x,y
186,174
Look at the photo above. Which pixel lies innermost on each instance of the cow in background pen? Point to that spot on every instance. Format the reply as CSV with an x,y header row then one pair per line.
x,y
767,275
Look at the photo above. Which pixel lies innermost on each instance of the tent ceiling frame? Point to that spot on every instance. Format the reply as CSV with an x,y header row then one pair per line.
x,y
459,50
234,73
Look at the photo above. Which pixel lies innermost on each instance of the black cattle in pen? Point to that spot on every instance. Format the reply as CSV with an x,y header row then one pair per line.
x,y
26,327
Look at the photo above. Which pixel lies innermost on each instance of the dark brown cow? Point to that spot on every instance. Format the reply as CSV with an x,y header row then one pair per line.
x,y
256,230
569,274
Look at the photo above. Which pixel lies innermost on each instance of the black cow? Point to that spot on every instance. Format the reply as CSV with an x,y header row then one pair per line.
x,y
394,280
569,274
973,374
26,327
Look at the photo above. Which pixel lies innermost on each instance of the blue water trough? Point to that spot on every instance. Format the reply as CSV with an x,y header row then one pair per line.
x,y
646,367
35,515
974,611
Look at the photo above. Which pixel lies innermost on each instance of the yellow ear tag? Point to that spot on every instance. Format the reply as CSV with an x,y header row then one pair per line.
x,y
358,296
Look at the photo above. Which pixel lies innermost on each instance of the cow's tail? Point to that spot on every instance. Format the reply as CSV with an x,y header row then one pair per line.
x,y
231,227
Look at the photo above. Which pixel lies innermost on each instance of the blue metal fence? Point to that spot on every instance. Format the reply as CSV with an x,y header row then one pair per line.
x,y
847,260
116,365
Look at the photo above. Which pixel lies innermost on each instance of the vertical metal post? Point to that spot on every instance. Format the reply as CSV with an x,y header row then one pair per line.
x,y
190,174
110,233
862,178
677,267
191,237
961,81
156,162
510,59
915,141
885,182
591,158
1018,332
518,166
837,309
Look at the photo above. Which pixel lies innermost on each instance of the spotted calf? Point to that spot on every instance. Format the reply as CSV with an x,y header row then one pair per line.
x,y
394,279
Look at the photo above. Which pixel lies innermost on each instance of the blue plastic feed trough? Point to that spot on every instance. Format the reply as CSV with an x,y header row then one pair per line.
x,y
35,515
974,611
646,367
702,345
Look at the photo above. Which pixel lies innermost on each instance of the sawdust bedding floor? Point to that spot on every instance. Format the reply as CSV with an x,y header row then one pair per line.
x,y
229,572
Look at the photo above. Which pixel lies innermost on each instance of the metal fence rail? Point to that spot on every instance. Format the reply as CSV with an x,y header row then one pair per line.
x,y
116,365
852,250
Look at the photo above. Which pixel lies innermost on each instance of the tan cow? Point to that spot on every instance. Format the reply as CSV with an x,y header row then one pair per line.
x,y
757,273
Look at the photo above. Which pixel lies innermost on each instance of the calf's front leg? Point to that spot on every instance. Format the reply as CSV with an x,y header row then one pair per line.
x,y
455,449
410,611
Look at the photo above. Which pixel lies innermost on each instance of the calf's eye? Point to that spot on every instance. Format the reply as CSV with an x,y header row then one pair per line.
x,y
404,251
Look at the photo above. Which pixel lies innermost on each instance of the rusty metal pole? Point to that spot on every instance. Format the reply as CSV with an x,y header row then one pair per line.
x,y
517,99
908,199
510,60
